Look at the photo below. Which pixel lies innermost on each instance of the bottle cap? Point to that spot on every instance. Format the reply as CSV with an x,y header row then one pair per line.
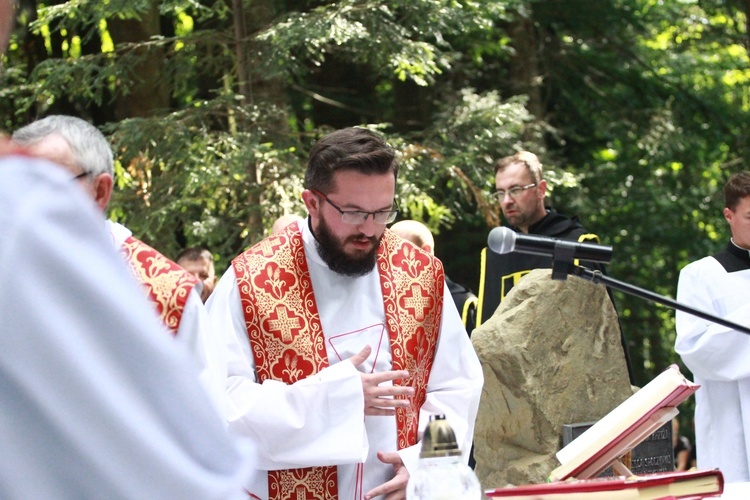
x,y
439,439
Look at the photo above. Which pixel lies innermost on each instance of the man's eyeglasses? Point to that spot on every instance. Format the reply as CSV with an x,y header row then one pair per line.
x,y
81,176
359,217
512,192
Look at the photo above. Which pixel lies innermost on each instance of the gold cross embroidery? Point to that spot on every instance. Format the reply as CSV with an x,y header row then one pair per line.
x,y
284,323
417,302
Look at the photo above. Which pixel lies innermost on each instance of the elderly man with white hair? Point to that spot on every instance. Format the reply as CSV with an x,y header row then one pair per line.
x,y
174,293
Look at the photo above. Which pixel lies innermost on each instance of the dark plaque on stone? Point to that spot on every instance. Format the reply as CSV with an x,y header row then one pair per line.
x,y
653,454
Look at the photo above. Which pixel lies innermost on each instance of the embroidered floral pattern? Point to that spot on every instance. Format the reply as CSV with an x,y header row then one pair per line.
x,y
412,283
313,483
166,284
287,340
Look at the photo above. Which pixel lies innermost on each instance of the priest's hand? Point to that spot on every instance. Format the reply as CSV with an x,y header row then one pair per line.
x,y
379,399
395,489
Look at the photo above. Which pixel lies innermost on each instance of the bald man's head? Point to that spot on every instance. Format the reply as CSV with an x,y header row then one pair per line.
x,y
282,222
417,233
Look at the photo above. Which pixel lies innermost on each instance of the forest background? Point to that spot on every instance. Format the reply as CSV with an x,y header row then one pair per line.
x,y
637,108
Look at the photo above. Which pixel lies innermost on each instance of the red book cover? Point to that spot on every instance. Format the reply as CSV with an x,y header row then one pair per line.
x,y
678,485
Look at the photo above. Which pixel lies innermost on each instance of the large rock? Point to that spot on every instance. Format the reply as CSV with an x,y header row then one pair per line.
x,y
551,355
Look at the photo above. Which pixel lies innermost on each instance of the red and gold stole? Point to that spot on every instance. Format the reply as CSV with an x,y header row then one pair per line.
x,y
166,284
287,340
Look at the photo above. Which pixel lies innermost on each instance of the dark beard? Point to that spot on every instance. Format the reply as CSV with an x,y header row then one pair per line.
x,y
339,262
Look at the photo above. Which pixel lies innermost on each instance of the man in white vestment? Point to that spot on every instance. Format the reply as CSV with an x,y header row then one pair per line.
x,y
175,293
343,337
719,356
97,402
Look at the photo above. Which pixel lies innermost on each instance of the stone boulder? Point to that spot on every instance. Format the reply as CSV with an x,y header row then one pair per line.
x,y
551,355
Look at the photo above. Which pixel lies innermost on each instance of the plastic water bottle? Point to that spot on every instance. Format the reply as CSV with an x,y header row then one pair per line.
x,y
442,473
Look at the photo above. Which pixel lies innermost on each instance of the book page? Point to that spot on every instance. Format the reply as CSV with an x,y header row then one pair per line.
x,y
625,426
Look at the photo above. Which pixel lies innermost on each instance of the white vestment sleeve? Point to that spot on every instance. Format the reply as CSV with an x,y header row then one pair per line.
x,y
96,401
455,384
196,333
712,351
315,422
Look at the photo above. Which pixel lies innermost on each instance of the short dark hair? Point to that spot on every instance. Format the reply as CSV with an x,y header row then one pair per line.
x,y
194,253
530,160
736,188
352,148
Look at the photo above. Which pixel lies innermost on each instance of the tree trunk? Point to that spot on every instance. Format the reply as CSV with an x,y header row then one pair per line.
x,y
258,90
149,92
262,89
525,74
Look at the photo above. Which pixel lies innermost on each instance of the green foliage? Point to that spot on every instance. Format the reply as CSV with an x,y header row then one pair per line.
x,y
638,110
667,118
193,179
81,16
394,39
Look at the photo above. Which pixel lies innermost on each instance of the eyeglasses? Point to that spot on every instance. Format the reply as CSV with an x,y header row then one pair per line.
x,y
512,192
359,217
81,176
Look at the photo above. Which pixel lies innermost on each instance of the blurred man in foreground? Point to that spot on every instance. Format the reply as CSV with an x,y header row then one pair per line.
x,y
97,402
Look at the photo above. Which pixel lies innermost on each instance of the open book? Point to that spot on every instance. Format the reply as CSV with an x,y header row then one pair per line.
x,y
624,427
689,484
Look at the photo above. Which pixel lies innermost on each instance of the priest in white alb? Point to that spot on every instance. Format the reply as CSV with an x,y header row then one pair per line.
x,y
343,338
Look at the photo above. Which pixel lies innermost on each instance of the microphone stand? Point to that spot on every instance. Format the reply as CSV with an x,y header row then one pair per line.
x,y
563,265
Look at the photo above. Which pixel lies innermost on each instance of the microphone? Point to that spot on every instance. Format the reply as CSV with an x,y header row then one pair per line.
x,y
504,240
